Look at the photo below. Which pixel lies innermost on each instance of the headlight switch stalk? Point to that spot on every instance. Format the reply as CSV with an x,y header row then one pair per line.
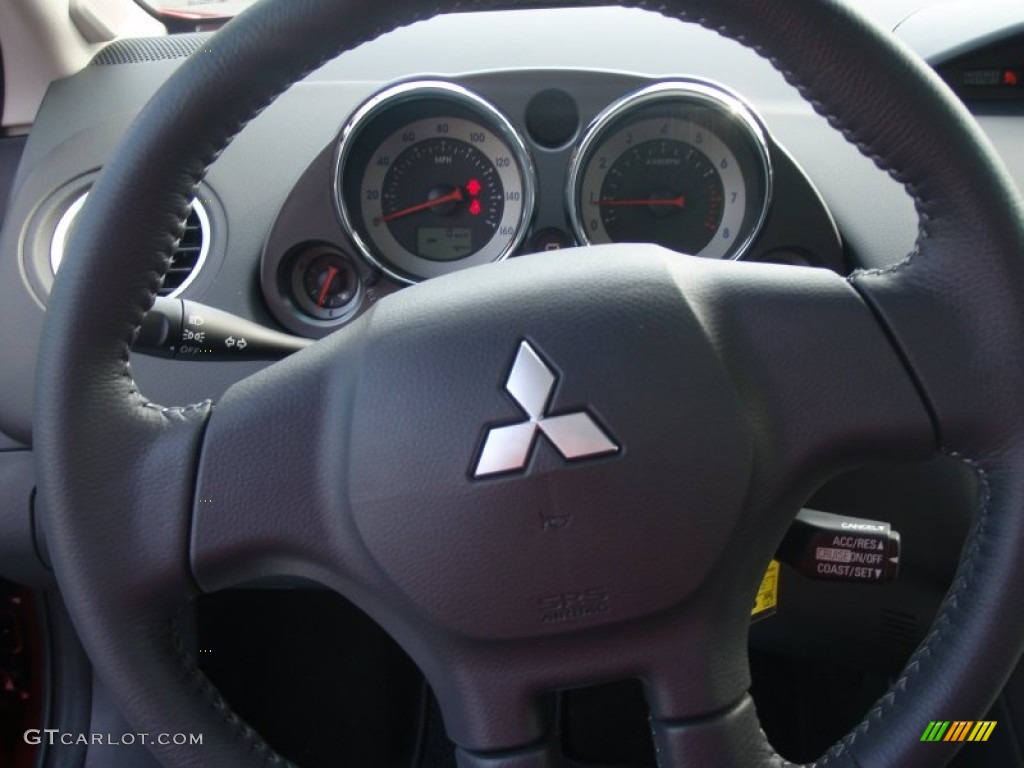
x,y
187,330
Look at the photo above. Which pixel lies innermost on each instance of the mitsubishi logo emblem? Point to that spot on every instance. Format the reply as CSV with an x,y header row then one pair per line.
x,y
576,435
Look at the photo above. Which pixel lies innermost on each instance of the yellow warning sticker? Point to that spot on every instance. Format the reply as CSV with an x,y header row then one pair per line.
x,y
768,593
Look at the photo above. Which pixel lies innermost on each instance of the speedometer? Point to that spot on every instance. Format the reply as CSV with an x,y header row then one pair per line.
x,y
681,164
432,178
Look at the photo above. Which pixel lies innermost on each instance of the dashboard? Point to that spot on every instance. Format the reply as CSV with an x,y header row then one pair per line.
x,y
428,177
284,206
271,220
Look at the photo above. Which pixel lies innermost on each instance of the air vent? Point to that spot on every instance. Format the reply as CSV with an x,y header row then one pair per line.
x,y
186,262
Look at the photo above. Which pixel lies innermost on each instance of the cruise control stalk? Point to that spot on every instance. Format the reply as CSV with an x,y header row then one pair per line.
x,y
821,545
187,330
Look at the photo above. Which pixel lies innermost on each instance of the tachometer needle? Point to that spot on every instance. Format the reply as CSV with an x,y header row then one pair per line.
x,y
452,197
331,272
678,202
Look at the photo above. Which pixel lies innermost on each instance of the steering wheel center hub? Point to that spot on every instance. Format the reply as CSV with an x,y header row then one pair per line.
x,y
570,457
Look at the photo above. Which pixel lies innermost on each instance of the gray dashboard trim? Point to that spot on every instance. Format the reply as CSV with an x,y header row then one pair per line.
x,y
941,33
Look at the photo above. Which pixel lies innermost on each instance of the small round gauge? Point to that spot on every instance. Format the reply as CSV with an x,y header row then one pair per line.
x,y
431,179
681,164
325,285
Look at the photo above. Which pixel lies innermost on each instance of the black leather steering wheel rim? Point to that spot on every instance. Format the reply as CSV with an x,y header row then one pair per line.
x,y
964,277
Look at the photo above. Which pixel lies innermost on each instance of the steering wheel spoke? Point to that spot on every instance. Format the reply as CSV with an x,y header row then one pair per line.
x,y
541,755
271,498
953,342
822,386
143,469
691,660
729,739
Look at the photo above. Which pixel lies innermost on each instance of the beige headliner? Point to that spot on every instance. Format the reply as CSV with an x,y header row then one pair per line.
x,y
40,43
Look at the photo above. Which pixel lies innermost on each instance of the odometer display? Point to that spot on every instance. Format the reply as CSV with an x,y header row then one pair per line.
x,y
444,244
432,179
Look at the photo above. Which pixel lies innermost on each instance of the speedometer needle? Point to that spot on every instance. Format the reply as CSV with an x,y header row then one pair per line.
x,y
678,202
452,197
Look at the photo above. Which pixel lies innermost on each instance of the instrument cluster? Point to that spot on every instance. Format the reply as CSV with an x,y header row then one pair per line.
x,y
431,176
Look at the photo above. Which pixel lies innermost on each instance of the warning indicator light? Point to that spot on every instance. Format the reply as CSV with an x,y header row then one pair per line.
x,y
474,187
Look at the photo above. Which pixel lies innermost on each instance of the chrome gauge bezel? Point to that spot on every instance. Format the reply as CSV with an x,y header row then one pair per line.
x,y
703,93
408,268
326,316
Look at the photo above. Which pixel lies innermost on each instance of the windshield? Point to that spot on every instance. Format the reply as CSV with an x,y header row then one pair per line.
x,y
197,8
220,9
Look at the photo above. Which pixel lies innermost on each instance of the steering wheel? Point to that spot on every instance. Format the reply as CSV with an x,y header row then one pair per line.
x,y
725,393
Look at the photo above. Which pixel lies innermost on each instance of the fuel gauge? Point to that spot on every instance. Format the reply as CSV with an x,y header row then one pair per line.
x,y
325,285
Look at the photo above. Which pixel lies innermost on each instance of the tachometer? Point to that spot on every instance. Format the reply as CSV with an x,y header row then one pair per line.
x,y
431,178
681,164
